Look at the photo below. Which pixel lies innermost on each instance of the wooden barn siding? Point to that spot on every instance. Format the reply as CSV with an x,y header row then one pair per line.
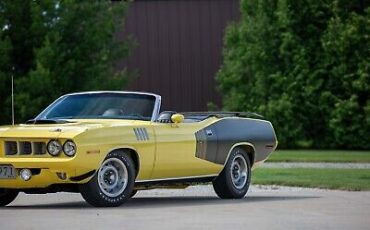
x,y
179,49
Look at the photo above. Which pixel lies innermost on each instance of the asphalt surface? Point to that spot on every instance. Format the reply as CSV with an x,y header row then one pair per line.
x,y
195,208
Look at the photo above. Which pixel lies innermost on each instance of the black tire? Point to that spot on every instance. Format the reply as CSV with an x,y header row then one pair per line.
x,y
133,193
7,196
93,191
224,185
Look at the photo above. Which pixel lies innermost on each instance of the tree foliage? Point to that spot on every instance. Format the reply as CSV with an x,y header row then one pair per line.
x,y
54,47
305,66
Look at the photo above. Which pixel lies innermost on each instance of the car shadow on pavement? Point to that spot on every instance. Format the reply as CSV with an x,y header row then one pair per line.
x,y
157,202
160,202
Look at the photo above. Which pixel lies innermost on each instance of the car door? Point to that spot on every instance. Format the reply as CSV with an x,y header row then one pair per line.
x,y
176,150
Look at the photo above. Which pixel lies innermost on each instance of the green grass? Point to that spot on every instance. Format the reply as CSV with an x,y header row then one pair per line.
x,y
343,179
320,156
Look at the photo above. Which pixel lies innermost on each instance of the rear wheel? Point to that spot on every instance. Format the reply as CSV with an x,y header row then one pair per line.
x,y
234,180
113,184
7,196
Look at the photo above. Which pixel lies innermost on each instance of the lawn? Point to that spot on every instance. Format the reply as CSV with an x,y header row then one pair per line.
x,y
320,156
343,179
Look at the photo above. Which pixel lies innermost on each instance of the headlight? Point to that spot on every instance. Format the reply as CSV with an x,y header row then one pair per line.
x,y
54,148
69,148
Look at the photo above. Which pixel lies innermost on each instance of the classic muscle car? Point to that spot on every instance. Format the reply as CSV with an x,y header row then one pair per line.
x,y
108,145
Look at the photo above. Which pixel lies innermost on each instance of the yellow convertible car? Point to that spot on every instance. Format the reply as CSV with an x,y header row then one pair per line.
x,y
108,145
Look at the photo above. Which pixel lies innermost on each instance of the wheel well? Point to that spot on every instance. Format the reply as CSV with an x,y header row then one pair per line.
x,y
134,156
250,152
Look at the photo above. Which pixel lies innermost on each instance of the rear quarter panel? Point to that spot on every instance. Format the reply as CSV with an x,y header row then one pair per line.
x,y
215,141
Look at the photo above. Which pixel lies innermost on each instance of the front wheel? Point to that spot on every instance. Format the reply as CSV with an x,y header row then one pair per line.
x,y
113,184
234,180
7,196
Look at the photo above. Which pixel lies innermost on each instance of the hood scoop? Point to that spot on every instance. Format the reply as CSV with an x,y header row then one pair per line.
x,y
46,121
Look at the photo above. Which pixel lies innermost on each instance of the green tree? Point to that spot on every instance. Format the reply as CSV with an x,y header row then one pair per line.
x,y
59,47
5,79
346,45
14,43
282,61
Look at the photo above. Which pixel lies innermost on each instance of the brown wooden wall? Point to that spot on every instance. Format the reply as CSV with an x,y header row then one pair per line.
x,y
179,49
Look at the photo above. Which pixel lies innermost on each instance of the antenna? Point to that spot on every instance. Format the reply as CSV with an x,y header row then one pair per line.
x,y
13,96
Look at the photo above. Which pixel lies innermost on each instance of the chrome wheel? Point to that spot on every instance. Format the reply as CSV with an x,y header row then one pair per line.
x,y
113,183
112,177
239,171
234,180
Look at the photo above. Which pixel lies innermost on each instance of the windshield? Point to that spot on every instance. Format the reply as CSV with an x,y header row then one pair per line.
x,y
101,106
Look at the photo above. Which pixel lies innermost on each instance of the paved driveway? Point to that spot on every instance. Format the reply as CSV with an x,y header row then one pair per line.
x,y
196,208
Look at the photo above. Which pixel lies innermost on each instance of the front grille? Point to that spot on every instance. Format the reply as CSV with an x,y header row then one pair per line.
x,y
39,148
24,148
11,148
